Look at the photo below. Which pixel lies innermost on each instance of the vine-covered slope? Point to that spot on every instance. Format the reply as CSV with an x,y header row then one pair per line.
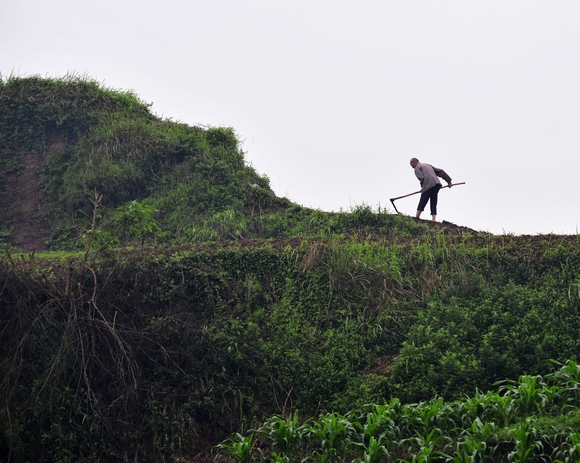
x,y
159,353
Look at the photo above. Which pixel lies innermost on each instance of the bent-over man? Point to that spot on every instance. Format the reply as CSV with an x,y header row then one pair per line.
x,y
430,185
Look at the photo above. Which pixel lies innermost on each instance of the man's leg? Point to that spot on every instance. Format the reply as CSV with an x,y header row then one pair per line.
x,y
433,201
422,202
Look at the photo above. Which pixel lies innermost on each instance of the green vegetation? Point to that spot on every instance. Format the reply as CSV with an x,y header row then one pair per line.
x,y
88,141
91,140
179,305
516,423
161,352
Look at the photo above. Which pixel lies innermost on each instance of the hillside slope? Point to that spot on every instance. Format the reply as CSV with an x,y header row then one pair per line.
x,y
81,163
154,354
67,142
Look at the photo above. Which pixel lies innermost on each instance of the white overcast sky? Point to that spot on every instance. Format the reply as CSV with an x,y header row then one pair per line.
x,y
332,98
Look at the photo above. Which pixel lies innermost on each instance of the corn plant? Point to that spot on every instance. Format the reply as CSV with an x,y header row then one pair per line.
x,y
381,422
567,379
472,446
334,433
529,444
496,408
487,407
530,395
427,446
286,434
374,451
238,447
447,418
485,431
569,450
470,450
424,415
277,458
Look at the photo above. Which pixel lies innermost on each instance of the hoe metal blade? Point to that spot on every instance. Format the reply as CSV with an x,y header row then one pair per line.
x,y
417,192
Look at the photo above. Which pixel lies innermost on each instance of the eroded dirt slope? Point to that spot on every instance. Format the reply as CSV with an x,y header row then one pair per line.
x,y
21,204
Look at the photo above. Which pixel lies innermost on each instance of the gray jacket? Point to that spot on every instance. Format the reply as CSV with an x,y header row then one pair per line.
x,y
427,175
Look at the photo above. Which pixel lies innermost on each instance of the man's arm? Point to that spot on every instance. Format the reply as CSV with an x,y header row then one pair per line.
x,y
441,173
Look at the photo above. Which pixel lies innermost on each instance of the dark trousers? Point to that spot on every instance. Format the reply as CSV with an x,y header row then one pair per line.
x,y
431,196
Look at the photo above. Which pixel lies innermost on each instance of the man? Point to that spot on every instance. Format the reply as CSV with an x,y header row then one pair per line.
x,y
430,185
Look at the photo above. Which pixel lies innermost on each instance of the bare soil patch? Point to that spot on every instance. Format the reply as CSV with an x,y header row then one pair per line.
x,y
21,205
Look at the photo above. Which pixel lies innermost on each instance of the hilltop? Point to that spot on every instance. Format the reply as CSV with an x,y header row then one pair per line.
x,y
68,144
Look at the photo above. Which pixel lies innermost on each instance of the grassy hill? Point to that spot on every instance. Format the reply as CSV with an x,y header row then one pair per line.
x,y
73,152
157,298
67,142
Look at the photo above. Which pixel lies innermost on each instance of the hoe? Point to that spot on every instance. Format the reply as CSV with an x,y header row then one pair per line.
x,y
417,192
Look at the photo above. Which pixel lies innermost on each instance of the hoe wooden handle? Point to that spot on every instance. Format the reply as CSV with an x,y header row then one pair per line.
x,y
416,192
411,194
